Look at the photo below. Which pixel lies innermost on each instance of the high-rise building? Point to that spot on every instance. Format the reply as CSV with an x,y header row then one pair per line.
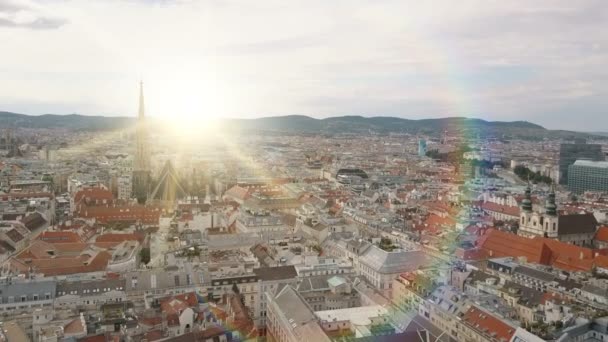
x,y
587,175
569,153
421,147
141,165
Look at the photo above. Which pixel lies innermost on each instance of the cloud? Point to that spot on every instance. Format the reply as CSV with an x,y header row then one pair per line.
x,y
21,14
505,60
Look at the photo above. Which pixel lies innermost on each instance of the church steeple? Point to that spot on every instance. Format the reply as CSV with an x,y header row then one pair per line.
x,y
550,206
141,148
526,203
141,164
141,100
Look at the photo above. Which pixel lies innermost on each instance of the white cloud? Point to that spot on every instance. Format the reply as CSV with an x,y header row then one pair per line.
x,y
494,59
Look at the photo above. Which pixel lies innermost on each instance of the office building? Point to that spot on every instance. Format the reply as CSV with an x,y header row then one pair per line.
x,y
421,147
569,153
587,175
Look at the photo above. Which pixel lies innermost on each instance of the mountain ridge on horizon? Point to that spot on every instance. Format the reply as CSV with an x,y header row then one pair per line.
x,y
295,123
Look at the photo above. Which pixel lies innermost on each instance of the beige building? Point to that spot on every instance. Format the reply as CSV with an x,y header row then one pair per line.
x,y
290,319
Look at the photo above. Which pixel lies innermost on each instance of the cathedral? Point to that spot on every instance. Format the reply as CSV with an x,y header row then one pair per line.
x,y
577,229
169,187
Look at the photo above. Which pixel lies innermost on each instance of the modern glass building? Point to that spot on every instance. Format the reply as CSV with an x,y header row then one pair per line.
x,y
587,175
569,153
422,147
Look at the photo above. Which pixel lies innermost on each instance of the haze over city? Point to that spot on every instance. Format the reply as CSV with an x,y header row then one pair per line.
x,y
295,171
495,60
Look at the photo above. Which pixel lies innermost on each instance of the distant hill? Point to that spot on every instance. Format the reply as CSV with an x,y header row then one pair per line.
x,y
70,121
359,124
354,124
306,124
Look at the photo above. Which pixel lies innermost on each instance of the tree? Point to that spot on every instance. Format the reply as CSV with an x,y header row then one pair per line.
x,y
144,255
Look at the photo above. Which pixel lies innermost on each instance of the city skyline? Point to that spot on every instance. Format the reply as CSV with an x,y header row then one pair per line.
x,y
494,61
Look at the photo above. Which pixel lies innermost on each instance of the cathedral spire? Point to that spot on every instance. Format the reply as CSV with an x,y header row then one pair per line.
x,y
141,165
141,99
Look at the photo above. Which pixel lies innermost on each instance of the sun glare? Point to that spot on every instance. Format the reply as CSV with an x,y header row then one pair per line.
x,y
189,98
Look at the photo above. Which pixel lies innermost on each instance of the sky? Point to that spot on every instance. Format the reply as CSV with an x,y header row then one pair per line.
x,y
540,61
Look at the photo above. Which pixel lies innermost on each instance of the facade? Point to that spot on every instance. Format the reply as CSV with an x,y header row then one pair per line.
x,y
570,153
290,319
89,293
380,267
586,175
410,289
253,222
23,296
270,280
247,284
577,229
124,187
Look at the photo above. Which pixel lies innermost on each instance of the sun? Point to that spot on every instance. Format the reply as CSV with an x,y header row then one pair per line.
x,y
189,99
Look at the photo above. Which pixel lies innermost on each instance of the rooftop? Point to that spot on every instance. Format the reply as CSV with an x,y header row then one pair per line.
x,y
276,273
591,163
357,316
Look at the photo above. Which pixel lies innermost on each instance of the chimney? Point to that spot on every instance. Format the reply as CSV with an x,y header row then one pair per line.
x,y
581,256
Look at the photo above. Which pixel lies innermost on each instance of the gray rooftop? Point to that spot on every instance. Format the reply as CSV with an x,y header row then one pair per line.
x,y
591,163
15,290
394,262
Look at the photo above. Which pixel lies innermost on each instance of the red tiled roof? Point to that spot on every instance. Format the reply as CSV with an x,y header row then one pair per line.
x,y
94,194
96,338
438,206
537,250
63,266
119,237
151,321
602,234
601,261
189,298
490,326
153,335
471,254
59,236
131,213
75,326
22,195
499,208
